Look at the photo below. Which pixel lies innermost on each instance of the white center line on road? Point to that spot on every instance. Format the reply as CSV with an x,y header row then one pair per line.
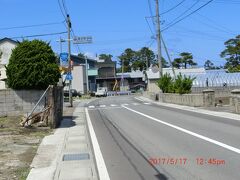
x,y
102,106
113,105
101,166
138,99
125,104
91,107
231,148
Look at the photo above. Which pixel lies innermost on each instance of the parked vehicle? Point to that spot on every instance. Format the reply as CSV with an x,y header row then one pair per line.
x,y
101,91
73,91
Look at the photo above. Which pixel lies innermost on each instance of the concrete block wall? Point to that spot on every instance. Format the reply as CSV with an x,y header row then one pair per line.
x,y
195,100
18,102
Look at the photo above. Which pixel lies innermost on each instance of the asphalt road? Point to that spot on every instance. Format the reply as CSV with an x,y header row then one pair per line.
x,y
140,141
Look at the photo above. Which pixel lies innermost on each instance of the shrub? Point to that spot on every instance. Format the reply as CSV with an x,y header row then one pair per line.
x,y
32,65
181,85
165,83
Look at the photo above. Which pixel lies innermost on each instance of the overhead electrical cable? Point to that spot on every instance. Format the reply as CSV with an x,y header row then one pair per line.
x,y
170,25
29,26
183,13
38,35
174,7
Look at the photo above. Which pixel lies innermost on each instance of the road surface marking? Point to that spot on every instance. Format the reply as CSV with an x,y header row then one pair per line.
x,y
101,166
125,104
91,107
231,148
147,103
102,106
135,104
138,99
113,105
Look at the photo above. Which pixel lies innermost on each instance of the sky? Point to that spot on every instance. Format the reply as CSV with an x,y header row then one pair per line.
x,y
117,25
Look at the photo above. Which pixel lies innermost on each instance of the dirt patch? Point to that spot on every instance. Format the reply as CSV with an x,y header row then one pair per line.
x,y
18,147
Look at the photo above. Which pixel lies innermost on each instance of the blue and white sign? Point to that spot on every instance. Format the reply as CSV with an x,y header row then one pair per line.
x,y
69,76
64,59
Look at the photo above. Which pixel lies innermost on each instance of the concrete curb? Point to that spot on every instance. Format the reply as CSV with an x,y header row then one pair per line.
x,y
232,116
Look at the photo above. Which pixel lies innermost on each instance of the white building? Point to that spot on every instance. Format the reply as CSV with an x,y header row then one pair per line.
x,y
6,47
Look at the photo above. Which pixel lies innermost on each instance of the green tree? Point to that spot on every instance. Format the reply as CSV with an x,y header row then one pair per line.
x,y
209,65
32,65
81,55
185,60
141,59
106,57
127,58
232,54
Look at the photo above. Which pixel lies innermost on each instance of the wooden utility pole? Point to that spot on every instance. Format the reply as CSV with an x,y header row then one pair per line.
x,y
69,59
159,39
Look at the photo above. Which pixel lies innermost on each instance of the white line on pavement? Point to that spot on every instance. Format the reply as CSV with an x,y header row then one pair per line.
x,y
135,104
102,106
101,166
138,99
91,106
113,105
231,148
147,103
125,104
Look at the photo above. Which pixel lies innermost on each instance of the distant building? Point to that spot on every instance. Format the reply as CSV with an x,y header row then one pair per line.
x,y
106,74
80,77
6,47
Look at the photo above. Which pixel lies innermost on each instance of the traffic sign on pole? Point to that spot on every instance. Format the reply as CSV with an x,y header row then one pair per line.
x,y
64,59
69,76
82,40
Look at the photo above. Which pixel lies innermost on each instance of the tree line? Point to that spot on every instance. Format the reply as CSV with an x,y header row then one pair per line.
x,y
142,59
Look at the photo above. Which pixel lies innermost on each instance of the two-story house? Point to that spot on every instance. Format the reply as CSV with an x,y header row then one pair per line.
x,y
6,47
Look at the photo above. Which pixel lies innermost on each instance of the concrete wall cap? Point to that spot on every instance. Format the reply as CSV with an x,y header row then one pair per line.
x,y
235,91
208,90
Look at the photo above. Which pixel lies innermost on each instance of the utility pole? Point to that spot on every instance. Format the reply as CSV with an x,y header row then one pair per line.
x,y
86,69
69,59
159,39
122,79
60,43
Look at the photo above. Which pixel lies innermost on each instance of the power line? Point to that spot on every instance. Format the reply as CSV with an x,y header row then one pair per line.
x,y
194,4
149,27
174,7
64,7
29,26
39,35
62,11
151,12
187,15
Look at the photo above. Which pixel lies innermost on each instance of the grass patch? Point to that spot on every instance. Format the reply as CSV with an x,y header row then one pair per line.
x,y
22,173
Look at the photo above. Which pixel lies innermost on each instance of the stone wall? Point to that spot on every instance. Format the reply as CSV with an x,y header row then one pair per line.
x,y
195,100
18,102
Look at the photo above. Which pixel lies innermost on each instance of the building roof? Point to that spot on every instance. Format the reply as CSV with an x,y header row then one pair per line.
x,y
133,74
9,40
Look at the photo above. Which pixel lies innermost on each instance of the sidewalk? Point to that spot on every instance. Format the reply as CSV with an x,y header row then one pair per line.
x,y
67,154
194,109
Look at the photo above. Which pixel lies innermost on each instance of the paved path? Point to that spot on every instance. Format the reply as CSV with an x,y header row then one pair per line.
x,y
67,154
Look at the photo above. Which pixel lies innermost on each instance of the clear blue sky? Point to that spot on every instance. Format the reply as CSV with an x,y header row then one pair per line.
x,y
117,25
